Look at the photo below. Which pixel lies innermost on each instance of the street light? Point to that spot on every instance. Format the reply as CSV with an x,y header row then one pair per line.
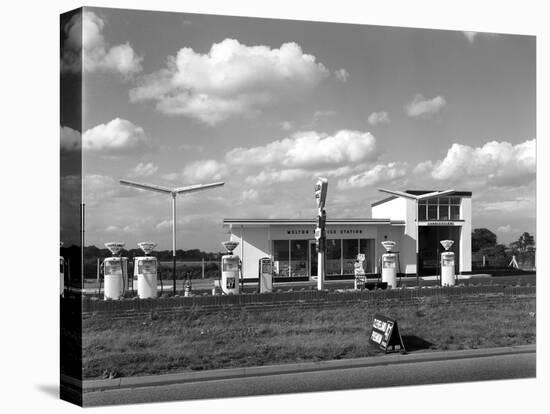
x,y
173,192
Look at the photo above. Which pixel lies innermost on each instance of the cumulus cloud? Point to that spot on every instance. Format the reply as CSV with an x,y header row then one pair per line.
x,y
250,195
84,40
277,176
204,169
167,224
470,36
318,115
495,163
309,150
231,79
341,74
143,170
70,139
378,174
506,229
515,205
376,118
285,125
421,107
118,134
173,176
97,188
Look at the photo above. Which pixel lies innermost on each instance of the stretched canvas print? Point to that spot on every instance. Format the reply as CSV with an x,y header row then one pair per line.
x,y
255,206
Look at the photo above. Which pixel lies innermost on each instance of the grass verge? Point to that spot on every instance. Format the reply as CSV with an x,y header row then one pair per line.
x,y
226,338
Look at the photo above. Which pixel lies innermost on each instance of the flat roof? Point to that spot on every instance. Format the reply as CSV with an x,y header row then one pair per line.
x,y
311,221
420,192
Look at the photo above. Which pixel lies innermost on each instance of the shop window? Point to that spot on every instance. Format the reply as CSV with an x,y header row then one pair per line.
x,y
455,212
298,258
443,212
432,212
439,208
281,255
366,246
334,256
422,211
350,249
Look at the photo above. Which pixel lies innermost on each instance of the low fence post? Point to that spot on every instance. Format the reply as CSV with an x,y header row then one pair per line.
x,y
203,267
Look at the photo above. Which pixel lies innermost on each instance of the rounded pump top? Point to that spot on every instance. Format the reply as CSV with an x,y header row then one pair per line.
x,y
147,247
114,247
230,245
388,245
446,244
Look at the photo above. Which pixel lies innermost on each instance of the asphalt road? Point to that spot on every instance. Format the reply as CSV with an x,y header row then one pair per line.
x,y
418,373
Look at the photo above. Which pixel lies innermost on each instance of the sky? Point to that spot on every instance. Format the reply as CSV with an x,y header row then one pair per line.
x,y
269,105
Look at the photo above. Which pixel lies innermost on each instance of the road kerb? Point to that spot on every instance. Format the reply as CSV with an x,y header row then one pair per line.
x,y
224,374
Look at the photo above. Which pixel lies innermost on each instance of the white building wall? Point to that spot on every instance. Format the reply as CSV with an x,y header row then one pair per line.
x,y
410,238
252,249
401,208
465,235
395,209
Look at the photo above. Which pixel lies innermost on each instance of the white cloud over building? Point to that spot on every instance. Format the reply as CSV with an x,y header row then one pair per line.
x,y
232,79
495,163
309,150
381,173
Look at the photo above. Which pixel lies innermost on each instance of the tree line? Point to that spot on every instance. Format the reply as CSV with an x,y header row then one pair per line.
x,y
484,244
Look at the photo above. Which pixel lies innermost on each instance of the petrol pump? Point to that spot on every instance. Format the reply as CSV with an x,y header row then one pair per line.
x,y
389,264
115,272
145,271
447,264
231,266
359,271
61,273
266,274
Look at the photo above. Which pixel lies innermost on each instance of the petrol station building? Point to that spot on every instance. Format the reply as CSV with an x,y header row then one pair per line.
x,y
416,220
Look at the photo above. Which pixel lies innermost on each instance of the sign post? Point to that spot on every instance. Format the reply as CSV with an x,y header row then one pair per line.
x,y
320,233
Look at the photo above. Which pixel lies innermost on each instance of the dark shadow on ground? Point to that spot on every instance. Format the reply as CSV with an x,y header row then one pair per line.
x,y
414,343
49,389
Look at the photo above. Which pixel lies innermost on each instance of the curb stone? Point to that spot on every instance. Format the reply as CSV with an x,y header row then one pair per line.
x,y
221,374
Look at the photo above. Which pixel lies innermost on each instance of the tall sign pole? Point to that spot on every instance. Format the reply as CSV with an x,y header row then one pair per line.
x,y
320,232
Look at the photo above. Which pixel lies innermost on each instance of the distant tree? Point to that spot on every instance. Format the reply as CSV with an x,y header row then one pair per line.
x,y
525,241
524,250
496,256
482,238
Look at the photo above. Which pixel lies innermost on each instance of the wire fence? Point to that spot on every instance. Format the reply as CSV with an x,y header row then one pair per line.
x,y
192,269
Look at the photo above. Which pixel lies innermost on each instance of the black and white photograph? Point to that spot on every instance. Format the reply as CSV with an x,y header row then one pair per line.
x,y
241,197
261,208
